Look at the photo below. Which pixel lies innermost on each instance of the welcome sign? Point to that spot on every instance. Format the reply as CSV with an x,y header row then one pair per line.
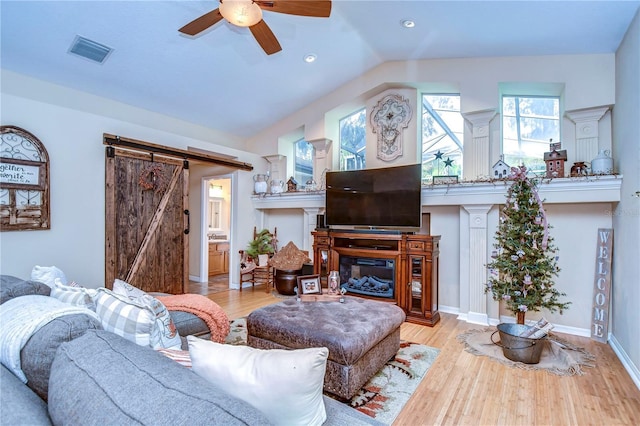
x,y
602,286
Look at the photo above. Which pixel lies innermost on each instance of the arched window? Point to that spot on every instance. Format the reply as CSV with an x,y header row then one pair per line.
x,y
24,181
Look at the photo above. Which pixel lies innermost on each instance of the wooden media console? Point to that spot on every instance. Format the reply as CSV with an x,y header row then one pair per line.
x,y
377,259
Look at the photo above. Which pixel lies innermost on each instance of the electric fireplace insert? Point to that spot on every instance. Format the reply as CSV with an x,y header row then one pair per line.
x,y
368,276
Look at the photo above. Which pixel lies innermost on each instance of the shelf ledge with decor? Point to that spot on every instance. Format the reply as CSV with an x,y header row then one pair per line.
x,y
586,189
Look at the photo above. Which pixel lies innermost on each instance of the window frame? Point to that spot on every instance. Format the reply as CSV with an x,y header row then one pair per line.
x,y
296,174
426,108
362,153
542,91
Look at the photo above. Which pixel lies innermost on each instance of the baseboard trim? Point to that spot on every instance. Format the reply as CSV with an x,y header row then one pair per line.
x,y
625,360
477,318
449,310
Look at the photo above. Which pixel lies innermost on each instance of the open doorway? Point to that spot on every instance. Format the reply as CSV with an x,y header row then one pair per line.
x,y
215,238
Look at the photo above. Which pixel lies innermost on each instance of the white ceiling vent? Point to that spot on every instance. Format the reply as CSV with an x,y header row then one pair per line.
x,y
90,49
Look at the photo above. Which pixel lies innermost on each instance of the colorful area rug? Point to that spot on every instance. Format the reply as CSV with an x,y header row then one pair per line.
x,y
384,396
558,356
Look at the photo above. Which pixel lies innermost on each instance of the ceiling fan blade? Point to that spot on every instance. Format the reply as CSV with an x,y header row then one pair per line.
x,y
265,37
315,8
202,23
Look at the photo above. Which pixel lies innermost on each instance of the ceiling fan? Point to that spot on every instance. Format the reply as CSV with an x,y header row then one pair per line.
x,y
248,13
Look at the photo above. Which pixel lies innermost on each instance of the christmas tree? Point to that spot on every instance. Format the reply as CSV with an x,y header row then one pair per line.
x,y
524,262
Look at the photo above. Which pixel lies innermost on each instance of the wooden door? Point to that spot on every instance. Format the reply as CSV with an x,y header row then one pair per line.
x,y
147,221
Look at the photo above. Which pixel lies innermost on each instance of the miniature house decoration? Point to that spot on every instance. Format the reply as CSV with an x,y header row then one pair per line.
x,y
292,185
555,160
500,170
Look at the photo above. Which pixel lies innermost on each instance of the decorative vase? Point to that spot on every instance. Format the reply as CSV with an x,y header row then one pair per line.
x,y
260,183
603,163
277,186
287,280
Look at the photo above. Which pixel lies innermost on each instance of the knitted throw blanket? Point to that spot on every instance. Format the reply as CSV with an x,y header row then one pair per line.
x,y
206,309
21,317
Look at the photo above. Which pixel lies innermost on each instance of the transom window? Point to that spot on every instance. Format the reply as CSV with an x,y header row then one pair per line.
x,y
353,141
442,136
303,161
529,123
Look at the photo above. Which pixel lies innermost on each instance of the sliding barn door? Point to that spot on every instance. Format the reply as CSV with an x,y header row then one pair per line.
x,y
147,221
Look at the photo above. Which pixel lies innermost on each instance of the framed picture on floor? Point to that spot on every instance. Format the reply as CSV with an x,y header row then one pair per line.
x,y
309,284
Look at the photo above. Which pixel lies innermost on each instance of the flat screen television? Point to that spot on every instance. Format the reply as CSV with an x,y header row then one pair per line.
x,y
386,198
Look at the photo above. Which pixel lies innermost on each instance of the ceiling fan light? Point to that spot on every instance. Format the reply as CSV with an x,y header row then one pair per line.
x,y
243,13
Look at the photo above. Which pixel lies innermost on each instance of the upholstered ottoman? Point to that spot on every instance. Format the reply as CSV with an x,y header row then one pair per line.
x,y
361,335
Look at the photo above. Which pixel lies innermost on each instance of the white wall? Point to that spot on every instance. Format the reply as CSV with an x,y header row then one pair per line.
x,y
445,222
588,82
626,143
73,139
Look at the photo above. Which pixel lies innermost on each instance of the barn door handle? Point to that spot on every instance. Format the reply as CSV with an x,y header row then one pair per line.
x,y
186,231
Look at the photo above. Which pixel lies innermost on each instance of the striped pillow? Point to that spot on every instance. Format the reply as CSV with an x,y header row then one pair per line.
x,y
181,357
124,317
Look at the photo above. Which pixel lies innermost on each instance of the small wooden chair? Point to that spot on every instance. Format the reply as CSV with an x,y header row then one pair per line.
x,y
251,272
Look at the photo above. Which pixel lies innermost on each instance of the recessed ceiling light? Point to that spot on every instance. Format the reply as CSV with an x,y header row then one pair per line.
x,y
407,23
310,58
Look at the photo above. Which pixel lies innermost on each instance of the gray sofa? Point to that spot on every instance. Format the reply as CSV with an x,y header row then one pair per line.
x,y
79,374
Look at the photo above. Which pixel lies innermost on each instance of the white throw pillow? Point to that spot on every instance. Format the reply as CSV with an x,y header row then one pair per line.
x,y
285,385
74,294
164,333
47,275
124,317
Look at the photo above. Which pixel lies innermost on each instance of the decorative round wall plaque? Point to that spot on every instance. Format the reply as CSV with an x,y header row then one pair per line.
x,y
389,117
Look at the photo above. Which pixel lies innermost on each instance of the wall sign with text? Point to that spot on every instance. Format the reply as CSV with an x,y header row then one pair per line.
x,y
602,286
24,181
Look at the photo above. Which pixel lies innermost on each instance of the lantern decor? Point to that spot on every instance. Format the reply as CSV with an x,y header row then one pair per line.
x,y
524,262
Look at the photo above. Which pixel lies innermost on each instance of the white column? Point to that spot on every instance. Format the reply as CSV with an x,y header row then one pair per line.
x,y
476,263
586,121
476,154
309,225
321,160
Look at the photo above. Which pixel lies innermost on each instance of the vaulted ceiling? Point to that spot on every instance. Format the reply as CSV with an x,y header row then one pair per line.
x,y
222,79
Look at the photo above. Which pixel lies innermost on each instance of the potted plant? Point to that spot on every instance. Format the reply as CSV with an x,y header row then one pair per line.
x,y
261,247
524,262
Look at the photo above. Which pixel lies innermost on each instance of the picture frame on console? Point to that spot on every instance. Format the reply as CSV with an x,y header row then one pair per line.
x,y
309,284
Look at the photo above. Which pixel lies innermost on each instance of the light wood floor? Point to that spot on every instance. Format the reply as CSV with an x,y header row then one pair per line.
x,y
464,389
